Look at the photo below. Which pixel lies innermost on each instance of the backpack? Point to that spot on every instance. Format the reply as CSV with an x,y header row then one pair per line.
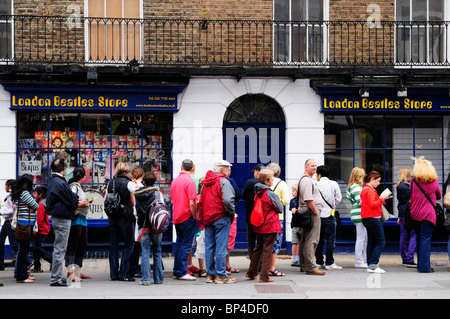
x,y
257,216
158,217
112,204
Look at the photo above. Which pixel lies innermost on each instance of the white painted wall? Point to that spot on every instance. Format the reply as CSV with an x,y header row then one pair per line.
x,y
8,141
197,127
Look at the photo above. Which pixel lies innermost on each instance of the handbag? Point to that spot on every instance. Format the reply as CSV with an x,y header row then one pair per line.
x,y
385,214
446,200
23,232
440,217
301,219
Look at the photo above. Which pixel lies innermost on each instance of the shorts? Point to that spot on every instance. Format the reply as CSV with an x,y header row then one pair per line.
x,y
232,235
200,251
278,240
296,235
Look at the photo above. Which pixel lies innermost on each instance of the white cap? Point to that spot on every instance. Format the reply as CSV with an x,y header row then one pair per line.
x,y
222,163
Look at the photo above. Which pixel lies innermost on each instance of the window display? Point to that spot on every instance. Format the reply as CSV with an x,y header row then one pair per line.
x,y
97,142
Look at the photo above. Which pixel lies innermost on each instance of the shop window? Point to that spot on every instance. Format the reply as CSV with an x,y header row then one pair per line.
x,y
6,30
299,32
385,144
419,42
114,30
97,142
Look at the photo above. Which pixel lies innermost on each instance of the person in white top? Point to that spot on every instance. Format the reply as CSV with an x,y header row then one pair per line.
x,y
331,195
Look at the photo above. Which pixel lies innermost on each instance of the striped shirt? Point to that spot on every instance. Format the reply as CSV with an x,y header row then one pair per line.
x,y
26,209
353,195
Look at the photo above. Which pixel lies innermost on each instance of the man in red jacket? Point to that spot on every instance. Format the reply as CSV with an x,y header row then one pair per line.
x,y
216,207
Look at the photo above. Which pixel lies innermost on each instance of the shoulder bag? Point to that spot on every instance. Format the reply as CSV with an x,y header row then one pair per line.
x,y
440,218
301,219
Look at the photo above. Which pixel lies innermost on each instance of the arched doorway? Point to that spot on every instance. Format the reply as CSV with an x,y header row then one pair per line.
x,y
253,133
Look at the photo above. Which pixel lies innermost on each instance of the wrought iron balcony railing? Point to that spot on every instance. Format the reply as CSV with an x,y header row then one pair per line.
x,y
203,43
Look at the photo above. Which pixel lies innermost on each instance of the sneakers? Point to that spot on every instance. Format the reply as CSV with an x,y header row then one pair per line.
x,y
225,280
333,267
185,277
377,270
361,265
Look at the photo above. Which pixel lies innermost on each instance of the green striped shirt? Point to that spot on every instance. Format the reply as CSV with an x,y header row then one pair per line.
x,y
353,195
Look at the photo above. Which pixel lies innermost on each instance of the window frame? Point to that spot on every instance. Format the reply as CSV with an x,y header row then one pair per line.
x,y
7,60
304,24
412,56
123,45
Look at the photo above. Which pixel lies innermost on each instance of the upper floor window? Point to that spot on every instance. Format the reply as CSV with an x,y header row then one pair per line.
x,y
420,31
6,30
299,31
114,30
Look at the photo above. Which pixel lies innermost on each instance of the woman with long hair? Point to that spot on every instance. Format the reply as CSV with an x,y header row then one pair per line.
x,y
423,213
77,243
408,238
355,185
26,215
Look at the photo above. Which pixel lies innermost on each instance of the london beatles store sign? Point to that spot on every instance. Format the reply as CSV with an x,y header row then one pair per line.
x,y
93,99
415,102
364,105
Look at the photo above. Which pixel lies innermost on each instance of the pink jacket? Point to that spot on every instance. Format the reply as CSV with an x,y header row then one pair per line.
x,y
421,208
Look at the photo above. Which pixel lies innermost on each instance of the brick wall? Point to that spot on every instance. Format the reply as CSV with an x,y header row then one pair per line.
x,y
362,41
196,41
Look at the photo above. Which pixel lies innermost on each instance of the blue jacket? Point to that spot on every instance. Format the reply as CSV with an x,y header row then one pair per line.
x,y
61,201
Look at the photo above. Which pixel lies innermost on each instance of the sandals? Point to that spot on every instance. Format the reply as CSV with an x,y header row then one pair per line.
x,y
276,273
202,273
232,270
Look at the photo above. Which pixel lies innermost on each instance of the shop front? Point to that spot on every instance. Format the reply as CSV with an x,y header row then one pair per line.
x,y
384,131
96,127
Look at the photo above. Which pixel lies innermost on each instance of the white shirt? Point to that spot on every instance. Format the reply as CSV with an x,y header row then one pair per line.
x,y
331,192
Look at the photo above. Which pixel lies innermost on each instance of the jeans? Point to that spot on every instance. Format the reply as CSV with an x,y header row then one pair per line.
x,y
424,232
375,241
39,252
7,231
120,227
185,237
151,240
408,242
327,233
21,261
216,246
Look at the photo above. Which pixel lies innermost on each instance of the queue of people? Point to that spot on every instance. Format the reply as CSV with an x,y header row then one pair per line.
x,y
204,213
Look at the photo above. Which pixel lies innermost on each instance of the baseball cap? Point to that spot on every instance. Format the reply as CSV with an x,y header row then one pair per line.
x,y
222,163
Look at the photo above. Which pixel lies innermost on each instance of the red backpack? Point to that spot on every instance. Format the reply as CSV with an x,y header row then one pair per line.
x,y
257,217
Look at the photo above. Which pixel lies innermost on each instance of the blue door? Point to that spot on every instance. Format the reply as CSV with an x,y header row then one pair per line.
x,y
253,133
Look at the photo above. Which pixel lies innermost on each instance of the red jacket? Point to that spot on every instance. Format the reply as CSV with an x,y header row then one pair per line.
x,y
211,206
271,218
42,220
371,203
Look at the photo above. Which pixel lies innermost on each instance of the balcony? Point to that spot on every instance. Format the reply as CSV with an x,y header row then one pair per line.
x,y
200,46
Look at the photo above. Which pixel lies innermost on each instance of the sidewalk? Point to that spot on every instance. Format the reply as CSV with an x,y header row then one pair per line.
x,y
349,283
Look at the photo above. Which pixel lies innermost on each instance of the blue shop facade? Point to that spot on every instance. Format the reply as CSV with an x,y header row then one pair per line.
x,y
97,126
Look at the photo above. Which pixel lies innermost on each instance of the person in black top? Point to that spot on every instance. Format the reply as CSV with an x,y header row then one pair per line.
x,y
407,237
248,195
122,225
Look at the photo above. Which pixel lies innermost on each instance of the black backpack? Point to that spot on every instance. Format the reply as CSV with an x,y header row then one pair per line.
x,y
112,204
